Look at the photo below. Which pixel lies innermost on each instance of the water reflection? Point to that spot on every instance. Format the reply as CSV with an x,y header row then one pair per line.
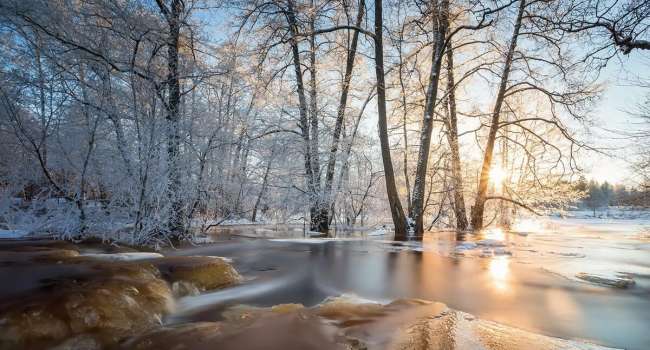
x,y
499,268
495,233
499,288
527,226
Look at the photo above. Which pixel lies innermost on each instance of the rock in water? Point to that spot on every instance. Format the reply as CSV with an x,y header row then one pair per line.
x,y
36,254
343,323
80,342
204,272
266,331
110,300
616,282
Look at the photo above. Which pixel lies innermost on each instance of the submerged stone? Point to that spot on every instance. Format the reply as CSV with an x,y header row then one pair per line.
x,y
286,308
204,272
183,289
34,254
184,336
343,309
80,342
82,296
267,331
346,323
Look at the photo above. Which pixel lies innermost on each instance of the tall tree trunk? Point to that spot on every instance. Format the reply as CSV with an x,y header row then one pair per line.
x,y
119,128
41,90
399,220
263,189
405,167
440,24
173,16
302,101
504,212
340,115
481,196
452,138
319,211
343,172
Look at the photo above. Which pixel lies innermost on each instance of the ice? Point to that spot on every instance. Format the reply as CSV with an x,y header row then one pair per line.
x,y
124,256
501,251
569,254
466,246
381,231
491,243
312,240
13,233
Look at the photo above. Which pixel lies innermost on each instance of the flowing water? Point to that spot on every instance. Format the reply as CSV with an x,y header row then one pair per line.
x,y
525,279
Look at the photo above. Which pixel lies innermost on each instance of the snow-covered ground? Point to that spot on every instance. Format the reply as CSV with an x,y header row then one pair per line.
x,y
609,213
12,233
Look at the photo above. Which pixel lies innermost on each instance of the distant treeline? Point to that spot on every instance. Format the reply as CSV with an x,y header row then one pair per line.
x,y
599,195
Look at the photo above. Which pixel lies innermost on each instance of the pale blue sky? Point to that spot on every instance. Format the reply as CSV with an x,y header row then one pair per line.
x,y
620,97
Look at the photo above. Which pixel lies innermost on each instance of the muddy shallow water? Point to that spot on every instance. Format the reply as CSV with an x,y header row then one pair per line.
x,y
513,287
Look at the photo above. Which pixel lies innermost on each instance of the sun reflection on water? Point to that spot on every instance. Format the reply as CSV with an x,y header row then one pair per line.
x,y
495,233
527,225
499,269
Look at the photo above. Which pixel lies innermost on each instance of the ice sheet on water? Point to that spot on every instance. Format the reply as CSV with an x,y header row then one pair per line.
x,y
491,243
13,233
466,246
380,231
134,256
313,240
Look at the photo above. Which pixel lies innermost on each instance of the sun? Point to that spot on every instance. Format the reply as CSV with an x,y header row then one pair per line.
x,y
497,175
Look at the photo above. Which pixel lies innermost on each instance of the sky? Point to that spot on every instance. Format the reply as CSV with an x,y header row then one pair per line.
x,y
613,117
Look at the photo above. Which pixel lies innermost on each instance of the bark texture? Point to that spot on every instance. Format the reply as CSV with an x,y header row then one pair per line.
x,y
340,114
173,15
397,212
452,138
481,196
440,24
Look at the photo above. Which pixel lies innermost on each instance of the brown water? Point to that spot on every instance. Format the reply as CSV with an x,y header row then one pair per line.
x,y
514,290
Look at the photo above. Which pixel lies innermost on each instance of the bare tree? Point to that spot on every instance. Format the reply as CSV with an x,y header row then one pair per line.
x,y
484,177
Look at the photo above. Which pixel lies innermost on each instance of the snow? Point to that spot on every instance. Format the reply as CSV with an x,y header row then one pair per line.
x,y
202,240
490,243
611,213
501,251
380,231
134,256
352,298
13,233
466,246
240,221
313,240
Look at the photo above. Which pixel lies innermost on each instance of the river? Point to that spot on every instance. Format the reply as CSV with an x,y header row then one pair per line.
x,y
526,279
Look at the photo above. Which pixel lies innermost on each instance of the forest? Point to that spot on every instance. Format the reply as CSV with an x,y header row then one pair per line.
x,y
145,120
